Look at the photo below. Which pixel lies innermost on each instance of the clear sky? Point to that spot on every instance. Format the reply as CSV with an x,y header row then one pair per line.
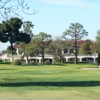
x,y
54,16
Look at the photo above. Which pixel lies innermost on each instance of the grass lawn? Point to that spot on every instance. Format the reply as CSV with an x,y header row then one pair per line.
x,y
49,82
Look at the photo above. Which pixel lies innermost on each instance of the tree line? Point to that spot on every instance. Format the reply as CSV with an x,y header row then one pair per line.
x,y
38,45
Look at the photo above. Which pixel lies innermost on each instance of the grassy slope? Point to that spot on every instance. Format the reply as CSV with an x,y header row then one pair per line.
x,y
66,82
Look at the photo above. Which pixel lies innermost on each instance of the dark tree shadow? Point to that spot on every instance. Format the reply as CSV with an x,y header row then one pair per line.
x,y
8,69
60,84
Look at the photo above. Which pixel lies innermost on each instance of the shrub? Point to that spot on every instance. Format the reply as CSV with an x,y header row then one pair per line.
x,y
34,62
47,61
17,62
23,61
1,60
57,60
64,60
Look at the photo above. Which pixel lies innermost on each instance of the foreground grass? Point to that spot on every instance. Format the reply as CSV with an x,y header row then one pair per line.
x,y
50,82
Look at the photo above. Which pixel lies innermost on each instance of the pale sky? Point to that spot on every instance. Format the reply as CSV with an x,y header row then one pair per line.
x,y
55,16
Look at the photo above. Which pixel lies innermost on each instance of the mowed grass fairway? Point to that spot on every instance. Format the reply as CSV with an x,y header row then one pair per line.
x,y
49,82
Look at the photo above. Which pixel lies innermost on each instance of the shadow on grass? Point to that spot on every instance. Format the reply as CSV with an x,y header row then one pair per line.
x,y
8,69
43,64
60,84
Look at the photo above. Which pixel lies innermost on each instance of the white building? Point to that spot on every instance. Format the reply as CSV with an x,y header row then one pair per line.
x,y
81,58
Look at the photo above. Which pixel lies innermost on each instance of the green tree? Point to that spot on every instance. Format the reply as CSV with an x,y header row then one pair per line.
x,y
43,40
27,28
57,48
76,32
69,47
98,36
9,31
31,49
85,48
95,47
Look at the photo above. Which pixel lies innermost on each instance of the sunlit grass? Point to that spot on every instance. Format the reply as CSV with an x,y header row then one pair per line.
x,y
50,82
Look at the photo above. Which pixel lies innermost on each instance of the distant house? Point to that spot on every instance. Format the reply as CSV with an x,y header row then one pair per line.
x,y
68,57
5,57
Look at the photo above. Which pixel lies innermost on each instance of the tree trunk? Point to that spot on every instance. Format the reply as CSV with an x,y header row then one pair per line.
x,y
76,60
76,50
27,58
42,55
12,52
98,59
62,53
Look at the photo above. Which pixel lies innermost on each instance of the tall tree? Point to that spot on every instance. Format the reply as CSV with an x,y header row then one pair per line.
x,y
43,40
9,31
27,28
76,32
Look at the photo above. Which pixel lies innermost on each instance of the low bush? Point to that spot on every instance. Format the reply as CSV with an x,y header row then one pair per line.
x,y
32,63
57,60
47,62
5,62
17,62
1,60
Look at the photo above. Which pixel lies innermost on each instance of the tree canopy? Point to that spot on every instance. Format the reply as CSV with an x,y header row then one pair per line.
x,y
9,31
43,40
85,48
76,32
